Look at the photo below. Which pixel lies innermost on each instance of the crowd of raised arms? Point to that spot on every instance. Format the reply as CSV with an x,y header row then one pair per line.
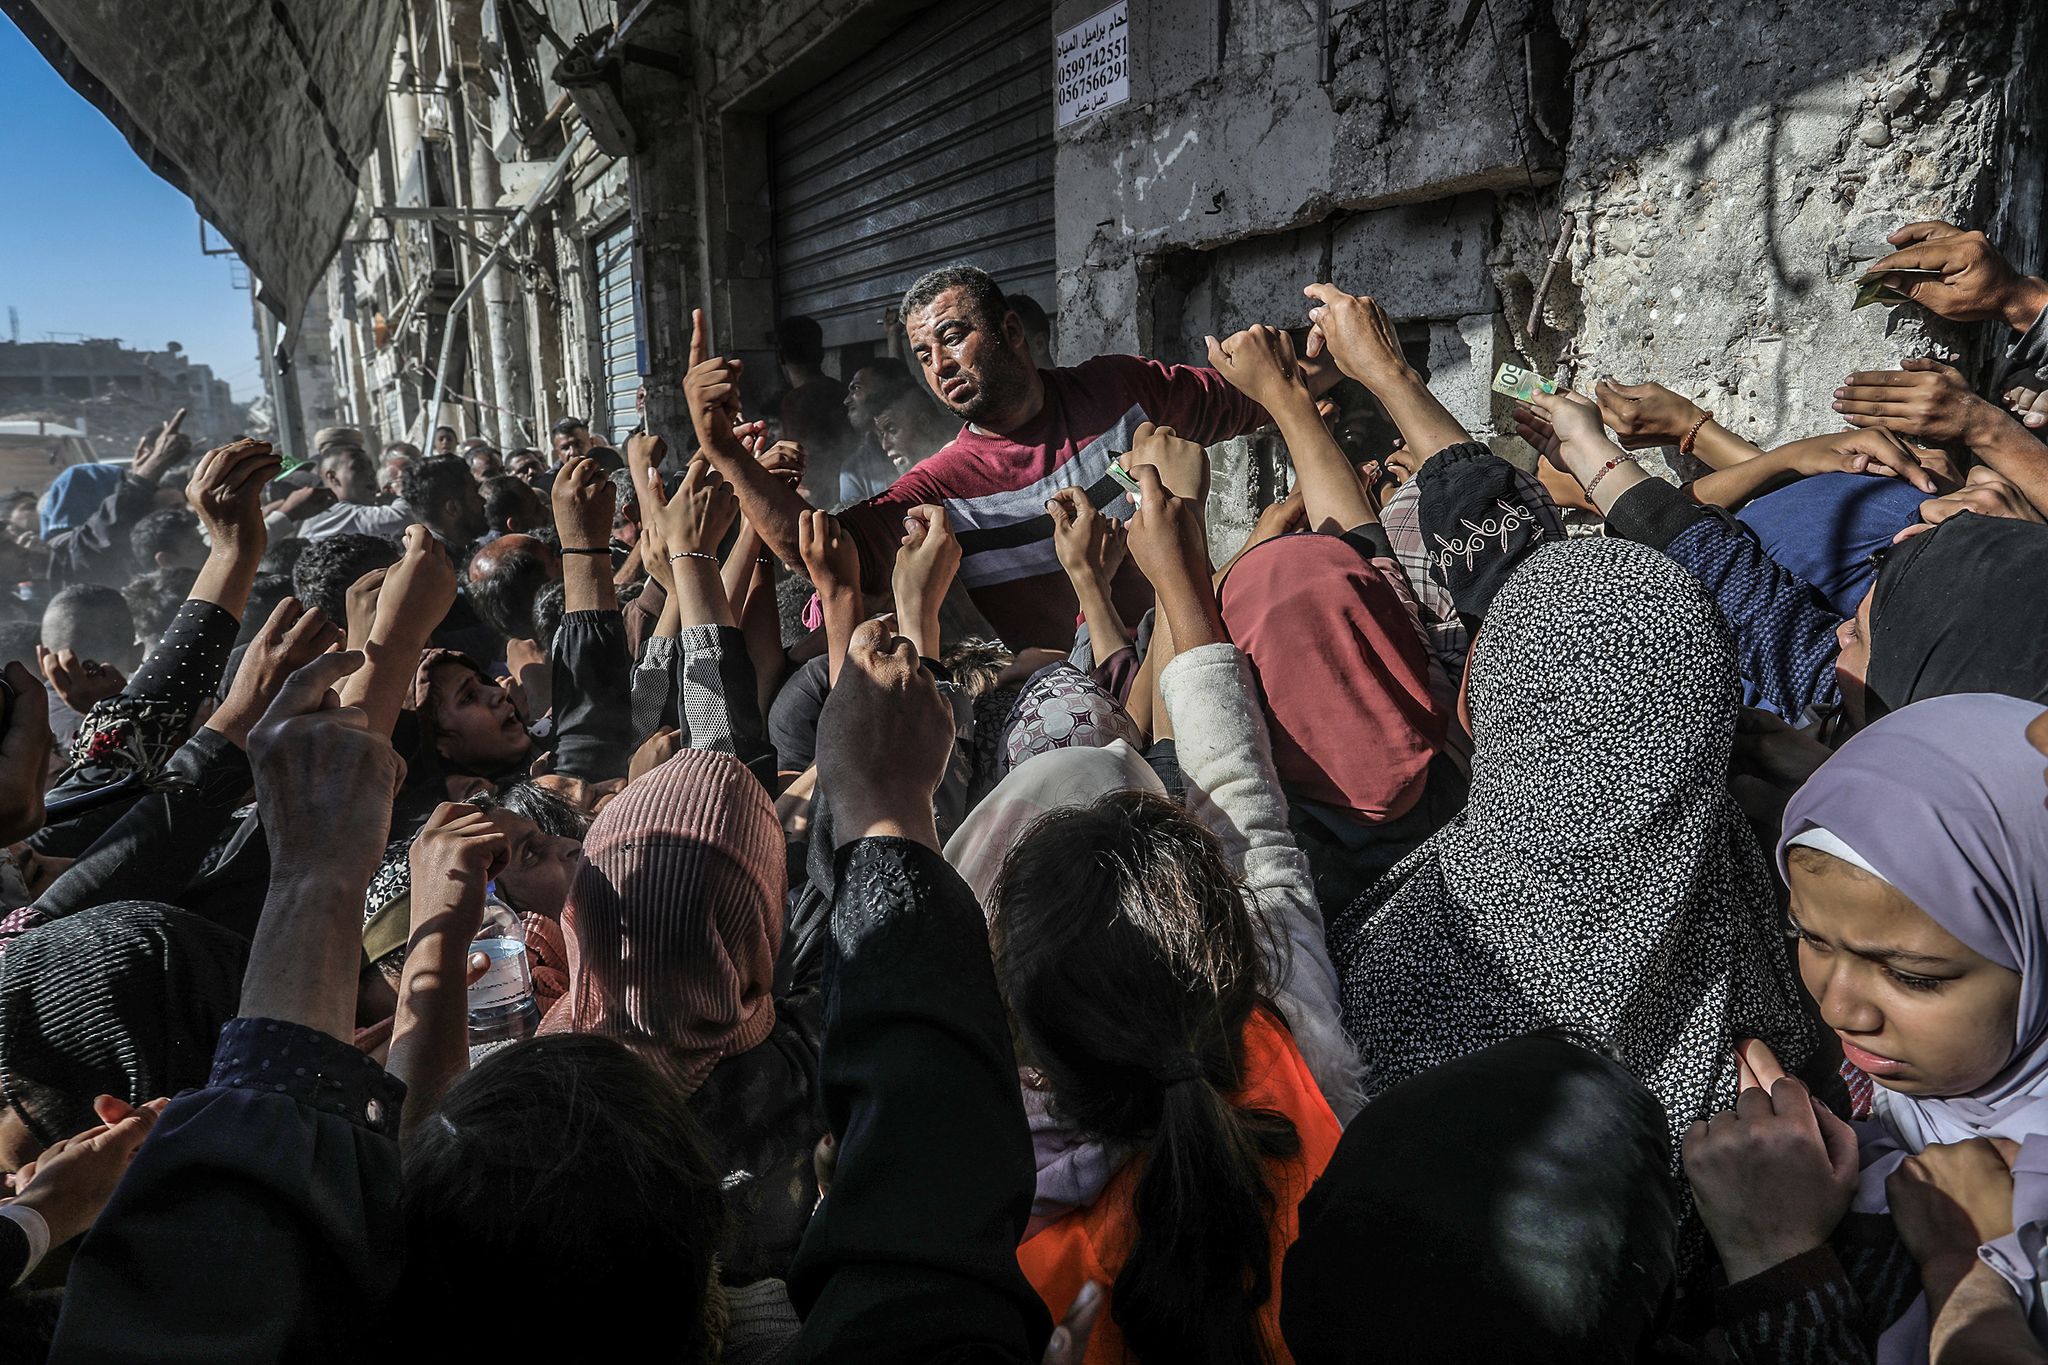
x,y
1494,916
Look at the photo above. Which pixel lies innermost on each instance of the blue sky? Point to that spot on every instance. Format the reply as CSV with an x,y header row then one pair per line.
x,y
93,242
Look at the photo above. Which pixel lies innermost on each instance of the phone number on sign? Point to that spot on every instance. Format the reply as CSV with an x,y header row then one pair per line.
x,y
1093,70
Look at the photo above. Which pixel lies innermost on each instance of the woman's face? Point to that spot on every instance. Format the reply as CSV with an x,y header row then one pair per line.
x,y
1914,1007
479,729
536,877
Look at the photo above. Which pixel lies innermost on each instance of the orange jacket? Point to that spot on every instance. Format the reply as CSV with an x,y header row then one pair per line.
x,y
1091,1243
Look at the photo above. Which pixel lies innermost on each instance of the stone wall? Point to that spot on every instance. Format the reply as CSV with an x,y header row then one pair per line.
x,y
1724,162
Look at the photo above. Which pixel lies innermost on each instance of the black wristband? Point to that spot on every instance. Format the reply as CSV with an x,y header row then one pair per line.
x,y
586,549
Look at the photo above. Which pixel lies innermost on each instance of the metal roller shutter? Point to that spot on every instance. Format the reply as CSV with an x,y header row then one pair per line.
x,y
936,147
620,355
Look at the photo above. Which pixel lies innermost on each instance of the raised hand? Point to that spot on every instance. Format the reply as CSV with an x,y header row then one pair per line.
x,y
1167,541
711,388
884,740
829,554
695,518
925,565
79,683
292,638
459,850
417,590
160,448
584,501
786,460
361,606
1976,283
226,490
1259,362
1645,415
1182,464
1358,335
1086,541
1773,1175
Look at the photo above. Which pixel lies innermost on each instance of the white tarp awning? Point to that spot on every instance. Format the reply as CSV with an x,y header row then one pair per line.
x,y
262,110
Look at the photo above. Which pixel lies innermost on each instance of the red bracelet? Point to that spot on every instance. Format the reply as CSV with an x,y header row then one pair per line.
x,y
1608,468
1685,442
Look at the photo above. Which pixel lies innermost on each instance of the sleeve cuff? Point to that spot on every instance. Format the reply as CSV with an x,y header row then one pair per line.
x,y
1652,513
1760,1293
35,1229
274,1056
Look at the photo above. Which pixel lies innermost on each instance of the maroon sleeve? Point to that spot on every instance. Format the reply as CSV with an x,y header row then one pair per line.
x,y
1194,400
877,524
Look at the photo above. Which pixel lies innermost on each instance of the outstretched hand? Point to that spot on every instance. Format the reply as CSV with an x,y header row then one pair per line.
x,y
1645,415
1976,283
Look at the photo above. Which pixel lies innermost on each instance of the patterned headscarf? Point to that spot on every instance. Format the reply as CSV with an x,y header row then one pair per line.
x,y
1063,708
1600,876
1480,518
675,918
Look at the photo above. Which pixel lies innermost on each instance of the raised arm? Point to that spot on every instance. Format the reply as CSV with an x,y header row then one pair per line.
x,y
261,1221
452,861
416,593
1357,334
1226,757
1876,452
712,389
833,561
913,1253
1260,361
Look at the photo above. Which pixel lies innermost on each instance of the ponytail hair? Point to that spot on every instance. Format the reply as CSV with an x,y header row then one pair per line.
x,y
1131,960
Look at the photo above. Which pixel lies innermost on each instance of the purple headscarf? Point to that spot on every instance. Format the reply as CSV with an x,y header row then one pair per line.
x,y
1944,800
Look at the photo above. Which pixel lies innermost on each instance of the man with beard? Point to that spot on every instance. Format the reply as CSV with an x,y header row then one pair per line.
x,y
1028,433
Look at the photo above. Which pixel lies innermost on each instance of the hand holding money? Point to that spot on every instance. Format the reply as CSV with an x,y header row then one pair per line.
x,y
1520,384
1954,274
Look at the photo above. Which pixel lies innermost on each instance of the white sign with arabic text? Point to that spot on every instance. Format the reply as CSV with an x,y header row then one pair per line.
x,y
1094,65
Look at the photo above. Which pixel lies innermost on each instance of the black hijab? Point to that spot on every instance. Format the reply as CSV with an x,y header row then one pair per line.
x,y
1512,1205
126,999
1480,517
1961,608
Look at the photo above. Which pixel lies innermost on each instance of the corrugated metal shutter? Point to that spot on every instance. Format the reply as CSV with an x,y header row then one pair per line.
x,y
934,148
621,357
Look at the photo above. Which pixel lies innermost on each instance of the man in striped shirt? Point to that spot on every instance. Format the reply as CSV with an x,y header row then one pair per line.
x,y
1028,433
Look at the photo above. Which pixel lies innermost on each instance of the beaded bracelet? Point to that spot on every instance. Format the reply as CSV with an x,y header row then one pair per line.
x,y
1685,442
1608,468
691,554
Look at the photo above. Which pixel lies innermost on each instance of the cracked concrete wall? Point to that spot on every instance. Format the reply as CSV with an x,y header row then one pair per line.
x,y
1726,175
1724,161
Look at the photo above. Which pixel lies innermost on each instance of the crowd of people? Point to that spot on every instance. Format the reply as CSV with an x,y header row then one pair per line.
x,y
1499,914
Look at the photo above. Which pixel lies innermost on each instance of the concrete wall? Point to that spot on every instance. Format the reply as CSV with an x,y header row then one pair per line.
x,y
1722,159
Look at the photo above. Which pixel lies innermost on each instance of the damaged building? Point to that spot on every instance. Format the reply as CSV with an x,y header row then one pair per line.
x,y
543,189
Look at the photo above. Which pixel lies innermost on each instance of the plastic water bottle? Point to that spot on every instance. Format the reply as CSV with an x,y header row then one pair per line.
x,y
501,1006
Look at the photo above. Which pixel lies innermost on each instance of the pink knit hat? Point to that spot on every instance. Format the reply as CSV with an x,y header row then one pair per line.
x,y
675,918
